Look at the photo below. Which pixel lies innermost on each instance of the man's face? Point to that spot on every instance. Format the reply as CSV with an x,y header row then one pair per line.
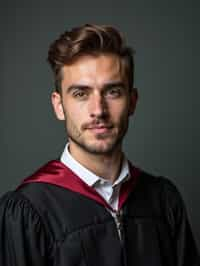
x,y
95,103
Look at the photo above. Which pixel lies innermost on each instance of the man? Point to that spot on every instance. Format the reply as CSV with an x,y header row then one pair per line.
x,y
93,207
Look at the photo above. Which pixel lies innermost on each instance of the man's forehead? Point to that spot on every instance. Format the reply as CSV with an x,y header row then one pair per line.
x,y
87,68
103,61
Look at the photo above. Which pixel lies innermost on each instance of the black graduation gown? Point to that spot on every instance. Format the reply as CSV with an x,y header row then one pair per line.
x,y
55,219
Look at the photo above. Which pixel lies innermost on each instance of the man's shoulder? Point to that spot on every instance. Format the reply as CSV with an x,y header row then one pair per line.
x,y
157,183
32,191
156,193
151,181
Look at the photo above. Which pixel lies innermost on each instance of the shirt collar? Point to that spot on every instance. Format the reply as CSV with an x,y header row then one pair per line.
x,y
86,175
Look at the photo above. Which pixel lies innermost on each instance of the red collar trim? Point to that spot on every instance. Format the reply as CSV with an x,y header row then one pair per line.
x,y
56,173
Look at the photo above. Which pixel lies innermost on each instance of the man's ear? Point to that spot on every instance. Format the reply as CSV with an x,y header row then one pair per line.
x,y
56,101
133,100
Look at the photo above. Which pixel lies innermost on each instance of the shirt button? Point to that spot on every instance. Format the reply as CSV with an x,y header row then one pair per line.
x,y
111,198
102,182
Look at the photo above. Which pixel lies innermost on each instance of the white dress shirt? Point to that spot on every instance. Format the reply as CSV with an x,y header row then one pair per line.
x,y
109,191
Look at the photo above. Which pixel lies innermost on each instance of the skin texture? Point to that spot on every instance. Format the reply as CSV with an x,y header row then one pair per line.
x,y
95,104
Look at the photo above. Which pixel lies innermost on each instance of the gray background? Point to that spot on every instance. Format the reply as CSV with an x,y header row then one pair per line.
x,y
164,133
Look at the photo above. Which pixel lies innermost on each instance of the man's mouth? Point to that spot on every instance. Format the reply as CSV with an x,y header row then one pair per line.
x,y
99,128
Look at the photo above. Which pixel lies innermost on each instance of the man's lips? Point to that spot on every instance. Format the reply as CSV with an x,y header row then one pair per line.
x,y
99,128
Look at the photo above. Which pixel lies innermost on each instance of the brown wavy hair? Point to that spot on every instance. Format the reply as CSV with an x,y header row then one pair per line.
x,y
89,40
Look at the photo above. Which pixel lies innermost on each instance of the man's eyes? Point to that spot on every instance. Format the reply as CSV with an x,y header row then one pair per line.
x,y
114,92
79,93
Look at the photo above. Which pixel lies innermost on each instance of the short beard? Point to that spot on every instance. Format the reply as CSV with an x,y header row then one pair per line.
x,y
74,135
92,149
95,150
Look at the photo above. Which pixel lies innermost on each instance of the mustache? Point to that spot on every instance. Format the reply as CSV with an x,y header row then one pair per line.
x,y
97,123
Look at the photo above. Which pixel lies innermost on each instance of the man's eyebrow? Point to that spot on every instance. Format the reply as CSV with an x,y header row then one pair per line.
x,y
86,87
76,86
114,84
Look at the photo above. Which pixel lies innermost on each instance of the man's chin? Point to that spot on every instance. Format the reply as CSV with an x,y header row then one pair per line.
x,y
100,148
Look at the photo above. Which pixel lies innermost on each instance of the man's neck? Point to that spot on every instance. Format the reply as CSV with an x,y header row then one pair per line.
x,y
107,166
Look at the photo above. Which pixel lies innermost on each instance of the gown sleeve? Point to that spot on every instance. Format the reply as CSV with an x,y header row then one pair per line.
x,y
23,240
185,248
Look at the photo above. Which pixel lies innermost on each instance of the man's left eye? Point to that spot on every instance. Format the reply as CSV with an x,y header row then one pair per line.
x,y
80,94
114,92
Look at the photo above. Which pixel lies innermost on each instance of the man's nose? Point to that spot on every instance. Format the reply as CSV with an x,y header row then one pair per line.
x,y
98,106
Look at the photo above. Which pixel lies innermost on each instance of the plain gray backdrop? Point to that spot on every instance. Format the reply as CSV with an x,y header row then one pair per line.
x,y
164,134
